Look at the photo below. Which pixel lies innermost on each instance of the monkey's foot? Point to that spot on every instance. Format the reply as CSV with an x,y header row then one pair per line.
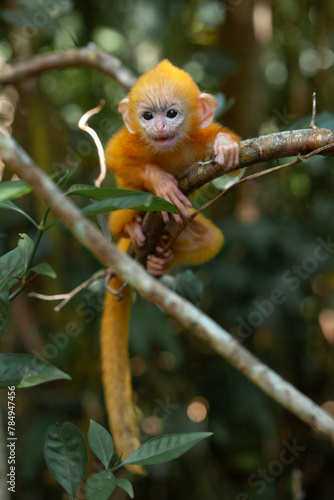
x,y
159,264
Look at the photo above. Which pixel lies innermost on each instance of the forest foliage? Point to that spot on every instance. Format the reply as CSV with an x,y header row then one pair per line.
x,y
263,60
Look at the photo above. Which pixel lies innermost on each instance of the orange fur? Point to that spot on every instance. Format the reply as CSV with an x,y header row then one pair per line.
x,y
138,163
127,155
164,84
116,375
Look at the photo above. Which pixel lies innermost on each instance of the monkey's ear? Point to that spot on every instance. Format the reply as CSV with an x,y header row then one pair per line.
x,y
123,108
207,106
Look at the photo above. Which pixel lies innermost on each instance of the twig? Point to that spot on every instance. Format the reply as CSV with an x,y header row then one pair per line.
x,y
118,292
314,111
242,180
187,314
66,297
262,173
83,125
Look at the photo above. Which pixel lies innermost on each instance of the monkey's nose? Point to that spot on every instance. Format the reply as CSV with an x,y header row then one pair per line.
x,y
160,124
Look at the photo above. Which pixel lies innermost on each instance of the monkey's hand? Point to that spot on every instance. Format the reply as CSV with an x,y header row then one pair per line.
x,y
226,150
165,185
134,231
159,264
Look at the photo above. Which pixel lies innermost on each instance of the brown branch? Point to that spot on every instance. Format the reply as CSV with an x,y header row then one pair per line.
x,y
252,151
90,57
251,177
185,313
258,150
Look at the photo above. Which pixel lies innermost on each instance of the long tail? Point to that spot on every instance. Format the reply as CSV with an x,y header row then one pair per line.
x,y
116,376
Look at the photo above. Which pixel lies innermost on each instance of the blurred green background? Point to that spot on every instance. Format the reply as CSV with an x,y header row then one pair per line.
x,y
269,57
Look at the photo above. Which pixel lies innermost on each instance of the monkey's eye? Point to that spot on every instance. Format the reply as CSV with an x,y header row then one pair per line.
x,y
172,113
147,115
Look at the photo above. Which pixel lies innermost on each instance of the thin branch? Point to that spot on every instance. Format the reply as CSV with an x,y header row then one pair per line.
x,y
118,292
90,56
252,151
83,125
66,297
251,177
314,111
187,314
258,150
236,184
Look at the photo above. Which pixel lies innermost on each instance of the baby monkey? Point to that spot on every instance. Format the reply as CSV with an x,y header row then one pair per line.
x,y
168,126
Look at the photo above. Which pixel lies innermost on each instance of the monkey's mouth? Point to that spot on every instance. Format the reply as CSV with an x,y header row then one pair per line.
x,y
164,141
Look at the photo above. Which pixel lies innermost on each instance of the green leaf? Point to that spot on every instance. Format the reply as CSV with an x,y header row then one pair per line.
x,y
93,192
101,442
64,179
26,247
101,486
65,452
45,269
164,448
11,268
4,308
103,224
139,201
126,486
26,370
9,190
226,181
9,205
115,199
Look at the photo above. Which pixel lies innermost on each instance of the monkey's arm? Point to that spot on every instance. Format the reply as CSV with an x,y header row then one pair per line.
x,y
128,158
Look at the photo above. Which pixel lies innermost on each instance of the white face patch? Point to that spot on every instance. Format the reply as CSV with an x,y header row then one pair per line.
x,y
162,124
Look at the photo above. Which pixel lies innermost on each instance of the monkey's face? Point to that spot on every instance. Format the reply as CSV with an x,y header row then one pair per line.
x,y
165,106
163,126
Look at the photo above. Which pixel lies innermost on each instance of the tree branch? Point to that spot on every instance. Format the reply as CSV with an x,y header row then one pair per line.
x,y
188,315
252,151
90,56
66,297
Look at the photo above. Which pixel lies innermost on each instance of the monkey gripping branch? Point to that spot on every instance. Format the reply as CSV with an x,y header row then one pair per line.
x,y
313,141
181,310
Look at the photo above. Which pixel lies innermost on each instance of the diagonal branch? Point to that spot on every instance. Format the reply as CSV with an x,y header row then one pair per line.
x,y
185,313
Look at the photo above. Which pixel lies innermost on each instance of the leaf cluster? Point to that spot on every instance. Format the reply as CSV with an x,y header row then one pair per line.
x,y
66,455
